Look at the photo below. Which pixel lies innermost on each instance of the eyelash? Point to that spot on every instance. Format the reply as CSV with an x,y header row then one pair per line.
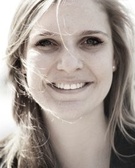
x,y
46,42
87,42
92,41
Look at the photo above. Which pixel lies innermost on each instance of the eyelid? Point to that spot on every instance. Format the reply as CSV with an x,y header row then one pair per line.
x,y
92,37
46,39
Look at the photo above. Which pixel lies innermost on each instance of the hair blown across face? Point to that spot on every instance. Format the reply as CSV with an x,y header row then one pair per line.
x,y
27,113
32,135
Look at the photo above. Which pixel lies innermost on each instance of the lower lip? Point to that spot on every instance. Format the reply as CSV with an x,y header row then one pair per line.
x,y
70,91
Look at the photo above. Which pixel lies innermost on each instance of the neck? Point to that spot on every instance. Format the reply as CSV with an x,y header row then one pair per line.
x,y
81,144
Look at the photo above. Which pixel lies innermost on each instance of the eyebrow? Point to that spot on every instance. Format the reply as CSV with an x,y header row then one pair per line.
x,y
84,33
89,32
47,33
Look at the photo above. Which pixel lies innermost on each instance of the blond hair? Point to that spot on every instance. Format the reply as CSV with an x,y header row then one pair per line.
x,y
34,148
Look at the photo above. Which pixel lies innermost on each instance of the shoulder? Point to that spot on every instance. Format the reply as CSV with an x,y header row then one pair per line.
x,y
125,156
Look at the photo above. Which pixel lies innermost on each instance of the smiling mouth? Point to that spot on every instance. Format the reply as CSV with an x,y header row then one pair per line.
x,y
66,87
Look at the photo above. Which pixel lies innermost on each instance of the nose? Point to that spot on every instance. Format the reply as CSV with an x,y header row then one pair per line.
x,y
69,62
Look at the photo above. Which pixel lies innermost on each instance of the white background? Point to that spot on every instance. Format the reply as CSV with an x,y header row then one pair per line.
x,y
7,10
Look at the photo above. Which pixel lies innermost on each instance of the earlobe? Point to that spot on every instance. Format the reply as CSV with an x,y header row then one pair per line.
x,y
115,64
114,68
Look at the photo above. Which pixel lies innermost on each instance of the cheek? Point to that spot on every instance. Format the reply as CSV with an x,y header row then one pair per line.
x,y
104,78
38,67
34,72
101,66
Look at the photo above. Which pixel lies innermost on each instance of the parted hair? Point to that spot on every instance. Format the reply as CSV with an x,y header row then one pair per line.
x,y
30,146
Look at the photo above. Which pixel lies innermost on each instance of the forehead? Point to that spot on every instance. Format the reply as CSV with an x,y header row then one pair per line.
x,y
72,16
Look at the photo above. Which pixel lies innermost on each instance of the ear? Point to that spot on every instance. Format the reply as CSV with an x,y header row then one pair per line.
x,y
115,64
114,68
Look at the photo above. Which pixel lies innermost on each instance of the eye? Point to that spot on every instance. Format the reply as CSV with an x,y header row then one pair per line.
x,y
44,43
47,44
91,42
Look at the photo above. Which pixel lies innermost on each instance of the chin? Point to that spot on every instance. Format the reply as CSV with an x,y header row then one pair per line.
x,y
65,114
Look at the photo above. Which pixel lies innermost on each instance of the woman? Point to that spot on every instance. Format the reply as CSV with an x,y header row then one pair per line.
x,y
71,66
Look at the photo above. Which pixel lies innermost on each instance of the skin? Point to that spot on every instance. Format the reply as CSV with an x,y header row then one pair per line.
x,y
70,60
71,51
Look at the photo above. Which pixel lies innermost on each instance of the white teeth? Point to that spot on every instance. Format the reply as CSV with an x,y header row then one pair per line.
x,y
69,86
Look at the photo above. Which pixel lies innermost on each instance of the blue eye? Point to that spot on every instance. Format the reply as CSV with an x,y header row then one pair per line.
x,y
47,45
45,42
91,41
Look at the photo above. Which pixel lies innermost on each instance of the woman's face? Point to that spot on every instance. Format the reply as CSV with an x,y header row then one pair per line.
x,y
70,58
